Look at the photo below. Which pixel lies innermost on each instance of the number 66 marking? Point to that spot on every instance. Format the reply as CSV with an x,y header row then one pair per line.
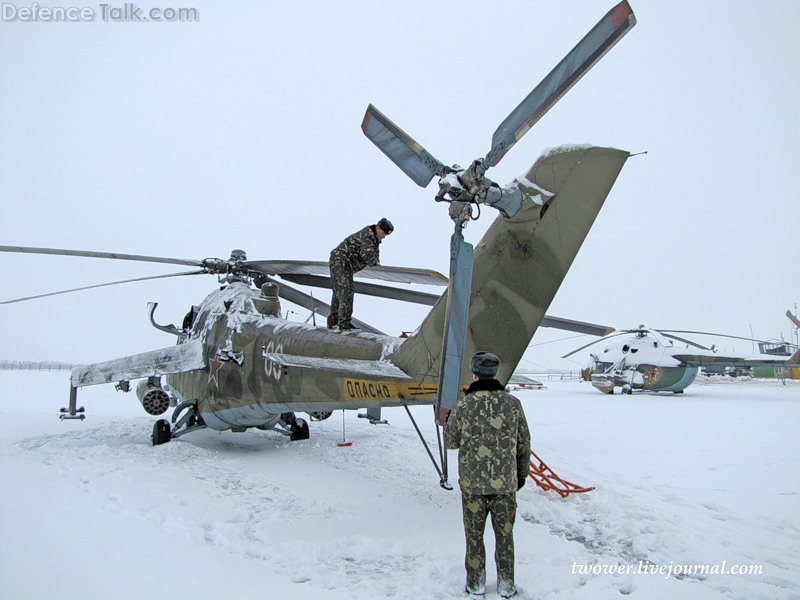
x,y
270,368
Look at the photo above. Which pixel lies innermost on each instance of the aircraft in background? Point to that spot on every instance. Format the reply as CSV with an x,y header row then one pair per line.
x,y
648,359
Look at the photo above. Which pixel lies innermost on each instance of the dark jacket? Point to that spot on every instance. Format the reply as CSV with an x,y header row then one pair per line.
x,y
359,250
489,429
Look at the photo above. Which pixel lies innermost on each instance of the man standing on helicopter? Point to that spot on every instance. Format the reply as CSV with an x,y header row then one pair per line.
x,y
356,252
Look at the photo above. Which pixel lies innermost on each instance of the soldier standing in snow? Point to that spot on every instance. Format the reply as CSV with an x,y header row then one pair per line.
x,y
356,252
489,429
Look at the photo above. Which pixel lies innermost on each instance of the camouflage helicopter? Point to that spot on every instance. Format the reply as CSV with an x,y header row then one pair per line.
x,y
237,364
648,360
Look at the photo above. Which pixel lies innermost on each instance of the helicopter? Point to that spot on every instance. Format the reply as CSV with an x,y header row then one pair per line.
x,y
648,360
236,364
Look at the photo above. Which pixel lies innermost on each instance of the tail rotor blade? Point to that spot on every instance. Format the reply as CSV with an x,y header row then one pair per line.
x,y
455,322
401,148
608,31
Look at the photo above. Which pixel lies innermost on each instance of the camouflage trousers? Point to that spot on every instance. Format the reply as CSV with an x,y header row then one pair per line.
x,y
343,291
503,508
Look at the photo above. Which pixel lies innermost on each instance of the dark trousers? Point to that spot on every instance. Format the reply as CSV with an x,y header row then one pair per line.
x,y
503,508
343,292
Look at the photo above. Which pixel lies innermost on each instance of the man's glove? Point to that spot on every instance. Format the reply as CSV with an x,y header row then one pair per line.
x,y
520,483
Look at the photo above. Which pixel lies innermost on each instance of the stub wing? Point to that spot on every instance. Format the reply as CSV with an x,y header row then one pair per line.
x,y
174,359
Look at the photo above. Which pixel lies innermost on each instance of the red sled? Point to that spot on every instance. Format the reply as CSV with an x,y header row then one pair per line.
x,y
547,479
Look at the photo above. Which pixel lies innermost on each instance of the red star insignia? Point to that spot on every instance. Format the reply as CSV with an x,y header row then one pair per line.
x,y
213,370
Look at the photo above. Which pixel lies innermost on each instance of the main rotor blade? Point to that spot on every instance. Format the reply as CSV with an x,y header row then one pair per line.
x,y
308,302
90,287
684,340
368,289
576,326
400,147
91,254
568,354
320,268
608,31
735,337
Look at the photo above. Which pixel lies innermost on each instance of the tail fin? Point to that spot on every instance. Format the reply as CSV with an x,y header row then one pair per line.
x,y
521,262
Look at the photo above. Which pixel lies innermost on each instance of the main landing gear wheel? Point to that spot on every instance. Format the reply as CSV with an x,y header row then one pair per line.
x,y
161,432
299,430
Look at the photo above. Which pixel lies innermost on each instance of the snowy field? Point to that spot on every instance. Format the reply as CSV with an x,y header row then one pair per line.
x,y
90,510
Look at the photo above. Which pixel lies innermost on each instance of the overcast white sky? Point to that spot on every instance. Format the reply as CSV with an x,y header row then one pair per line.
x,y
242,130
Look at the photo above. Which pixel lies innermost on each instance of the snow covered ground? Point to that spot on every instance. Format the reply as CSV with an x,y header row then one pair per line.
x,y
91,510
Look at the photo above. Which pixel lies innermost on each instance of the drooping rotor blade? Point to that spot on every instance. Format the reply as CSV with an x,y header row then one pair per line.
x,y
92,254
320,268
368,289
401,148
576,326
684,340
661,335
403,275
735,337
99,285
568,354
308,302
608,31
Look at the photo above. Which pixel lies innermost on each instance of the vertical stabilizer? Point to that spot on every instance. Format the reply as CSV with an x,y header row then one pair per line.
x,y
521,262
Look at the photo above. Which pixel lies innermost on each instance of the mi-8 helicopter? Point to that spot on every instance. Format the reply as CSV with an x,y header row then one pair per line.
x,y
237,364
648,360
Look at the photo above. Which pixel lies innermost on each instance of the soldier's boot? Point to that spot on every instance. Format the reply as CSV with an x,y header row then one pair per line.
x,y
476,582
348,326
506,588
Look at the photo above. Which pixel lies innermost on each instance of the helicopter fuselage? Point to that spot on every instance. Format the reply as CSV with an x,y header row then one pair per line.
x,y
640,362
259,365
646,377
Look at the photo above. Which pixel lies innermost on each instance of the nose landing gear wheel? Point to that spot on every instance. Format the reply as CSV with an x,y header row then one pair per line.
x,y
161,432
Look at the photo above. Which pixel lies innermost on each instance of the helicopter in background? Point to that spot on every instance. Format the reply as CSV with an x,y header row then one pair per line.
x,y
648,360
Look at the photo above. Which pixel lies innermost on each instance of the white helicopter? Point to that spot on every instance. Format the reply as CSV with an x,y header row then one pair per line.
x,y
647,359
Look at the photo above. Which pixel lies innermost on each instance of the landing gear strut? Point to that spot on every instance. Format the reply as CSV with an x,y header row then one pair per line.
x,y
185,418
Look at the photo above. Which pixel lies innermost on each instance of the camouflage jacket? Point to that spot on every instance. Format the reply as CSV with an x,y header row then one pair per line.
x,y
359,250
489,429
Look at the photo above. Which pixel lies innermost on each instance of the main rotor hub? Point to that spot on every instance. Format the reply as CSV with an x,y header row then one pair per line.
x,y
238,255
